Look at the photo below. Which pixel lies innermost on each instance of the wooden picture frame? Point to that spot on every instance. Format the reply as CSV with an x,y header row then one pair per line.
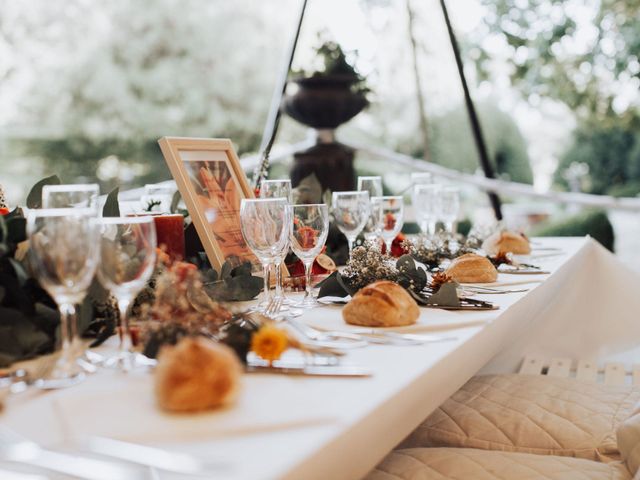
x,y
212,184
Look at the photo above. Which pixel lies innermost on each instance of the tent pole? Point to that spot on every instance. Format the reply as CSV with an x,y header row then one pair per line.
x,y
273,118
473,116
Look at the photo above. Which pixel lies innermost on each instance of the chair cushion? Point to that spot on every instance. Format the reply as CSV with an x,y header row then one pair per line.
x,y
530,414
473,464
628,435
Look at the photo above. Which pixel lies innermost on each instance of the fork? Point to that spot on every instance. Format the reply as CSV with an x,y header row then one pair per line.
x,y
15,448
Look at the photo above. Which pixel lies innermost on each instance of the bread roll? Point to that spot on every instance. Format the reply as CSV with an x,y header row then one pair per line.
x,y
472,268
506,242
196,374
381,304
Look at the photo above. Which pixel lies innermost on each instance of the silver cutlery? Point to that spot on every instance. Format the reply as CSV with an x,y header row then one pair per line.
x,y
395,338
149,456
15,448
311,370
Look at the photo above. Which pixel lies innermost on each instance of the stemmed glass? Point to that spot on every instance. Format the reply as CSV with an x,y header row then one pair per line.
x,y
265,227
128,251
63,254
309,230
425,204
84,195
278,189
449,208
373,185
351,212
75,196
392,209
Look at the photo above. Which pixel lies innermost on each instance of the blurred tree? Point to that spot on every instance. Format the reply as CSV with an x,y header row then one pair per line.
x,y
584,54
507,147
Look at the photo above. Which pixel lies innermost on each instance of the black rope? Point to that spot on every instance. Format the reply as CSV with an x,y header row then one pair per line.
x,y
481,146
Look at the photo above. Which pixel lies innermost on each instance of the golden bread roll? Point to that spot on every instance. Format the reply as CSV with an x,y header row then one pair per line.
x,y
472,268
196,374
381,304
506,242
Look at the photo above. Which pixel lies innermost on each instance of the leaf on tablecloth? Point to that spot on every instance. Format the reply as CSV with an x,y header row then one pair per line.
x,y
111,206
446,296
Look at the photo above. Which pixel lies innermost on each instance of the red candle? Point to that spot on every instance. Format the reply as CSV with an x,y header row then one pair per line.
x,y
170,234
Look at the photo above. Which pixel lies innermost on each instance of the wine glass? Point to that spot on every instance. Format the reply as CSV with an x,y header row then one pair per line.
x,y
308,233
128,255
425,204
63,255
350,211
75,196
449,208
265,227
84,195
392,209
278,189
373,185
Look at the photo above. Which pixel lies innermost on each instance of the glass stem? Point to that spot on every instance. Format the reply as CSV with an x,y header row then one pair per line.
x,y
126,343
388,245
307,277
67,317
351,242
265,274
278,267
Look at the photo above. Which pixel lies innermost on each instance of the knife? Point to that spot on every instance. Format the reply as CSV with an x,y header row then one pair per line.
x,y
312,370
148,456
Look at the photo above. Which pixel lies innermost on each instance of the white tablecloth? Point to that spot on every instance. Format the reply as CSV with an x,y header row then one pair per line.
x,y
339,428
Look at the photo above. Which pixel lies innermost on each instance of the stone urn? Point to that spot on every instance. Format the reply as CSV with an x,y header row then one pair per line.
x,y
323,103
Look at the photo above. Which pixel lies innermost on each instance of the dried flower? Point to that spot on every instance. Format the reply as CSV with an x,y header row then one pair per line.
x,y
368,265
269,342
438,279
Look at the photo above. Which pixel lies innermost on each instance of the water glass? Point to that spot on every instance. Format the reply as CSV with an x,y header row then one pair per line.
x,y
83,195
426,204
265,227
392,216
373,185
308,234
128,256
351,211
63,255
278,189
449,208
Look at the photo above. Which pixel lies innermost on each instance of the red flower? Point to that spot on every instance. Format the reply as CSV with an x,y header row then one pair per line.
x,y
4,211
397,250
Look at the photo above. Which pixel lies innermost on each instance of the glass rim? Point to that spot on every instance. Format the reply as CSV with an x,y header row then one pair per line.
x,y
125,220
309,205
388,197
274,180
368,177
351,192
62,212
72,187
263,200
428,186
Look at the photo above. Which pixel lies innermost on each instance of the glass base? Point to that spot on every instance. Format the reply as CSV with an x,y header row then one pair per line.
x,y
128,361
308,302
65,373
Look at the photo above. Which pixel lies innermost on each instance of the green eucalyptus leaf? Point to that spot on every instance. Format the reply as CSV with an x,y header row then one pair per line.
x,y
331,287
225,271
16,230
446,296
34,199
111,206
242,269
345,285
175,201
18,269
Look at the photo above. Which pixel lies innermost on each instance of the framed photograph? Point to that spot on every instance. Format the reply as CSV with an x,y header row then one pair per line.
x,y
212,184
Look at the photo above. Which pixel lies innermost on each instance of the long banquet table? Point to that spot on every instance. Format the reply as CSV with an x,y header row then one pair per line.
x,y
296,427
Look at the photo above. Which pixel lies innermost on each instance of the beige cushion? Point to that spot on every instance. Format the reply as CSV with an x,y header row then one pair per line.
x,y
472,464
531,414
629,442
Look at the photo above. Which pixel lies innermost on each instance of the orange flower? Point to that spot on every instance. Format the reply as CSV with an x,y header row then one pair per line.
x,y
269,343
